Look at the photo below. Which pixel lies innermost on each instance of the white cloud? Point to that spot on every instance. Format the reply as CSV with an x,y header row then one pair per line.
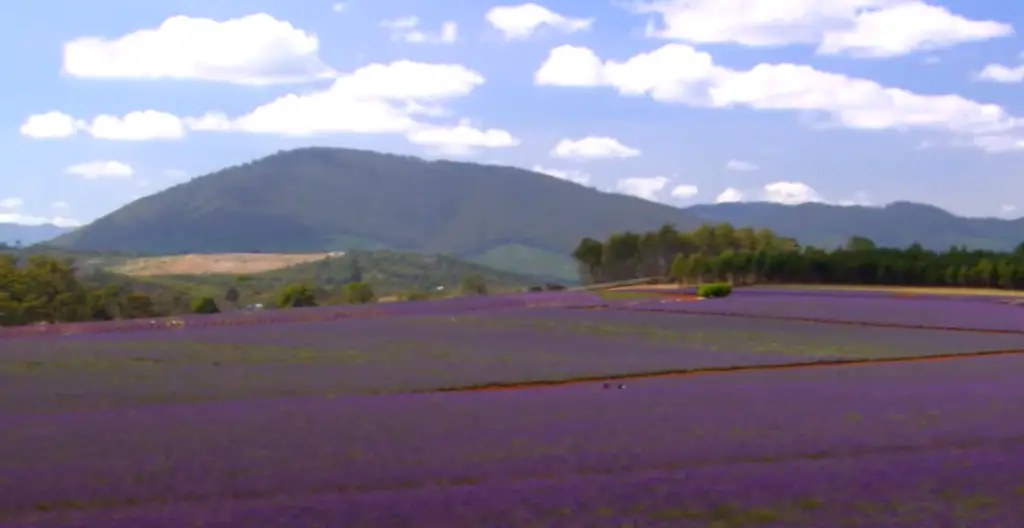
x,y
256,50
51,125
101,169
365,101
339,7
521,21
685,191
138,126
1007,209
863,28
406,29
997,144
1001,74
678,73
740,166
462,139
593,147
10,213
646,188
134,126
729,195
11,203
62,205
576,176
790,193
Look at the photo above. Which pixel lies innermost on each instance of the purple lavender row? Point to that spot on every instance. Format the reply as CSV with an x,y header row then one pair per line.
x,y
264,449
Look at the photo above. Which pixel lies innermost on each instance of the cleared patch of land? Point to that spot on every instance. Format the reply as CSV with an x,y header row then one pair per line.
x,y
216,264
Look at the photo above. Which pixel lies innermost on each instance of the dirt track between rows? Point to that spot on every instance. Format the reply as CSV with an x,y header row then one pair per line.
x,y
822,364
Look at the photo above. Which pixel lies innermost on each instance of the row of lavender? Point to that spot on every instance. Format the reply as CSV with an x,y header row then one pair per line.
x,y
929,444
325,313
872,308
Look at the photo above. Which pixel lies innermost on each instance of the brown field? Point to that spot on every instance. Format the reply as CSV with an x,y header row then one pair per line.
x,y
216,264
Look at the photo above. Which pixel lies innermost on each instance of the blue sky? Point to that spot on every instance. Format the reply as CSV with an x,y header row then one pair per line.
x,y
680,101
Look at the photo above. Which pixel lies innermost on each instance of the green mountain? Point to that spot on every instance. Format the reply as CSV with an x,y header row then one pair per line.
x,y
898,224
327,199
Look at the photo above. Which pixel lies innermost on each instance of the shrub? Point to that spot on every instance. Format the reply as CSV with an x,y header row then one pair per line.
x,y
204,305
715,289
358,293
473,285
553,287
296,296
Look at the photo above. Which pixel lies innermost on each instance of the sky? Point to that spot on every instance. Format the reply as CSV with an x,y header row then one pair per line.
x,y
676,101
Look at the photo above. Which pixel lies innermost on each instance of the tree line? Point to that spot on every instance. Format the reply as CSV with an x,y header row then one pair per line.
x,y
722,252
45,289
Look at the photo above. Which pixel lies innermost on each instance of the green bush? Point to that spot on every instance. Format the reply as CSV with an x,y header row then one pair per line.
x,y
205,305
358,293
473,284
296,296
415,296
715,289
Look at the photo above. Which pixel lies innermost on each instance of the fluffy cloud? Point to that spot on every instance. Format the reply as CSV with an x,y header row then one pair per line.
x,y
790,193
997,144
576,176
678,73
593,147
1001,74
521,21
646,188
135,126
11,203
462,139
375,99
339,7
740,166
863,28
256,49
51,125
10,213
685,191
729,195
406,29
101,169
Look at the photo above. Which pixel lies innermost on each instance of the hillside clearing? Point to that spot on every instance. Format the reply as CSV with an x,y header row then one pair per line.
x,y
217,264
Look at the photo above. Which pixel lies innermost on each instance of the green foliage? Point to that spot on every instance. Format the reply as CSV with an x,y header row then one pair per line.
x,y
473,284
205,305
136,305
232,295
296,296
722,253
358,293
415,296
715,289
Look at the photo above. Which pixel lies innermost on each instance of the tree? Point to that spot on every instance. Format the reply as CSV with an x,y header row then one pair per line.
x,y
680,268
296,296
232,295
473,284
205,305
136,305
358,293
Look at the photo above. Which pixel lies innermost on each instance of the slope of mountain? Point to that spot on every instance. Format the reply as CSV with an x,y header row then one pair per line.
x,y
898,224
326,199
29,234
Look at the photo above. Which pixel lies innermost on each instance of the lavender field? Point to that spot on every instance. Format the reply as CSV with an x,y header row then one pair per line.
x,y
340,422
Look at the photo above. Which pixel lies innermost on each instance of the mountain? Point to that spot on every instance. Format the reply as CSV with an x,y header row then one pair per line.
x,y
327,199
898,224
29,234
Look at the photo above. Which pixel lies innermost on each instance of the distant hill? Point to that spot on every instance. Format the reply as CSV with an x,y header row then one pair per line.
x,y
899,224
29,234
327,199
